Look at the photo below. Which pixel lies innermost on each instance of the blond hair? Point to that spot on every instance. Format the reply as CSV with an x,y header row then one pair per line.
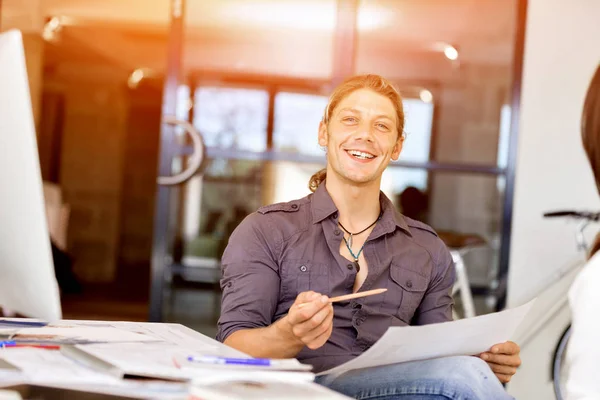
x,y
376,83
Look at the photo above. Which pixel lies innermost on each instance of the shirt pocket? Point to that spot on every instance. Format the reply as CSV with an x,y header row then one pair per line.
x,y
407,289
299,276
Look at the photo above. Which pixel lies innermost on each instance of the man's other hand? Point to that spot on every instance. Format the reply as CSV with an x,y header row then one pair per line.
x,y
310,319
503,359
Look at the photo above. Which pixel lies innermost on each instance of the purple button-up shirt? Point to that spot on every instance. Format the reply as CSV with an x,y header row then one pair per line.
x,y
288,248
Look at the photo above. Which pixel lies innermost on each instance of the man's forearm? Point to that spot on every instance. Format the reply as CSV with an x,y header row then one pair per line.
x,y
274,341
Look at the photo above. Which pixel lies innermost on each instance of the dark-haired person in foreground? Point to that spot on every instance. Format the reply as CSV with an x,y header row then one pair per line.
x,y
343,238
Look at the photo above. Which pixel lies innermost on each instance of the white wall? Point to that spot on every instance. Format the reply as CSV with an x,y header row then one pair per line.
x,y
562,51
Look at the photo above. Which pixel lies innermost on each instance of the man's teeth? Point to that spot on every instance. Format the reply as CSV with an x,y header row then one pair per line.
x,y
360,154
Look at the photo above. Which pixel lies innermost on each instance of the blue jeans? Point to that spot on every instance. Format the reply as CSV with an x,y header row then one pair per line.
x,y
456,378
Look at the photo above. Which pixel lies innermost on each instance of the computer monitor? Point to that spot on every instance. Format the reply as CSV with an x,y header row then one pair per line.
x,y
27,282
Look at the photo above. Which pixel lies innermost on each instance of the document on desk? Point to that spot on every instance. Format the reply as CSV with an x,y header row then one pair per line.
x,y
77,334
175,334
269,389
165,361
469,336
152,360
41,366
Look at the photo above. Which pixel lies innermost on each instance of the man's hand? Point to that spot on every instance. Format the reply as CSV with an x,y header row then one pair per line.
x,y
503,359
310,319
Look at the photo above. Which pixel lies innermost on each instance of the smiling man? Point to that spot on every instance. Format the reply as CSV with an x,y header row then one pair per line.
x,y
343,238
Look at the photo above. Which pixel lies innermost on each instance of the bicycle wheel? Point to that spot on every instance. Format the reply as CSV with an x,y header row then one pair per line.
x,y
559,370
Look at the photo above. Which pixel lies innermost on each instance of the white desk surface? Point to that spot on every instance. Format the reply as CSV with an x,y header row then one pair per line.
x,y
174,334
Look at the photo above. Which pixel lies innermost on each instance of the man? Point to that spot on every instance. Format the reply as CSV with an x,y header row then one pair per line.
x,y
283,262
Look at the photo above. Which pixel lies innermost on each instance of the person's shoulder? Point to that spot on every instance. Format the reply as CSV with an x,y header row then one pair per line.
x,y
425,236
287,209
421,231
282,217
590,274
584,289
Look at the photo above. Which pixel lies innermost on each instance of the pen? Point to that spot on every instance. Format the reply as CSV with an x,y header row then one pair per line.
x,y
236,361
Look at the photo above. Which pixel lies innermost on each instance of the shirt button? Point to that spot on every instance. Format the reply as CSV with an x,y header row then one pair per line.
x,y
409,284
335,215
294,206
350,266
303,268
337,232
229,284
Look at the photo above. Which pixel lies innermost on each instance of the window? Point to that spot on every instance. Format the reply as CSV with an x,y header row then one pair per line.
x,y
418,120
297,117
232,118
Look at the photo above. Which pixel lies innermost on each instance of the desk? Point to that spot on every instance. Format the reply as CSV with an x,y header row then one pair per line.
x,y
93,385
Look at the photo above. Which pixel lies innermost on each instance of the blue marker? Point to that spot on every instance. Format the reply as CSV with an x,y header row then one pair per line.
x,y
7,343
265,362
21,323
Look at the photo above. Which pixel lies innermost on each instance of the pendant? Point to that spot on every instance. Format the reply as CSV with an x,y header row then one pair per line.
x,y
356,265
350,240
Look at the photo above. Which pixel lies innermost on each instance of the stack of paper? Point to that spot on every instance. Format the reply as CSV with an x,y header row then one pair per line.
x,y
264,388
75,334
167,361
41,366
10,395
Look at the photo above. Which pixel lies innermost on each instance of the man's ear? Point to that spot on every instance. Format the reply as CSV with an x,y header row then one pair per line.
x,y
323,134
398,148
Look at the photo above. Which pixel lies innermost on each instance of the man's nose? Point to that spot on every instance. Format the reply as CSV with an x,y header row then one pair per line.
x,y
365,132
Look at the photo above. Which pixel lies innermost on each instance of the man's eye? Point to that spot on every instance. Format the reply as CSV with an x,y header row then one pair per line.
x,y
383,126
349,119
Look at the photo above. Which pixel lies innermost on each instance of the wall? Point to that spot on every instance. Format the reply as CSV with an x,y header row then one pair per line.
x,y
139,185
91,165
562,50
34,57
28,18
552,171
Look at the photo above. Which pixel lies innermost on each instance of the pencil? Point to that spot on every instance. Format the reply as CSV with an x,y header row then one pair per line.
x,y
352,296
31,345
356,295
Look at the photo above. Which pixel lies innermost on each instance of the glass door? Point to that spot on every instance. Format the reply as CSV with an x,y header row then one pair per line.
x,y
251,78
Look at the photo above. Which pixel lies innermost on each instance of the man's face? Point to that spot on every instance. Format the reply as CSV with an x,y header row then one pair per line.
x,y
361,137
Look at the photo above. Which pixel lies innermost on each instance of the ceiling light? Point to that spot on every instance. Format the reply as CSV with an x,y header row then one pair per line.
x,y
52,29
136,77
426,96
450,52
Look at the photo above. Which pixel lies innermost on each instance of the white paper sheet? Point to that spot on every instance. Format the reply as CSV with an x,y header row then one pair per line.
x,y
175,334
168,361
40,366
51,368
83,334
156,360
254,387
469,336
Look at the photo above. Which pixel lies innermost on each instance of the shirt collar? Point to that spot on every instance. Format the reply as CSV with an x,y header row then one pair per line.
x,y
322,204
323,207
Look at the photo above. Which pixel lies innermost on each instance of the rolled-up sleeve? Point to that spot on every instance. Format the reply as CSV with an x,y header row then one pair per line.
x,y
250,280
437,303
